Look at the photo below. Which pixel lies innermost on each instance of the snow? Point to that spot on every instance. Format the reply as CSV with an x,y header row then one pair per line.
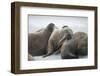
x,y
52,57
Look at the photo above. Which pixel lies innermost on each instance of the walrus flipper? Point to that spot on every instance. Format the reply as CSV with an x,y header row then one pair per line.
x,y
48,54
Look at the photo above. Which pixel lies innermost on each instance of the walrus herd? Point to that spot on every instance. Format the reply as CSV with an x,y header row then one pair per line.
x,y
69,45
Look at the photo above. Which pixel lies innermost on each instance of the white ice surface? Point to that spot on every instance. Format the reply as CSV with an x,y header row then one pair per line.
x,y
51,57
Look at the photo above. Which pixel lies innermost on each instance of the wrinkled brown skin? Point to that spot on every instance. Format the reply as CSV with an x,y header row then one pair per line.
x,y
75,47
38,41
57,38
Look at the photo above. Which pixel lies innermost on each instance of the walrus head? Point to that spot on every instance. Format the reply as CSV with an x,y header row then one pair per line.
x,y
50,27
68,32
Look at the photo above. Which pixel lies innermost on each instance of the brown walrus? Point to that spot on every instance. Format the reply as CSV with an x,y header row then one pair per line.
x,y
75,47
57,38
38,41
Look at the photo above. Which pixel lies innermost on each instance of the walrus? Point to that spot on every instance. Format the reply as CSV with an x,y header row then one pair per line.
x,y
38,41
75,47
57,38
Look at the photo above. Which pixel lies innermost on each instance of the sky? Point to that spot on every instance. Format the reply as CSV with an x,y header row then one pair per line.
x,y
77,24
